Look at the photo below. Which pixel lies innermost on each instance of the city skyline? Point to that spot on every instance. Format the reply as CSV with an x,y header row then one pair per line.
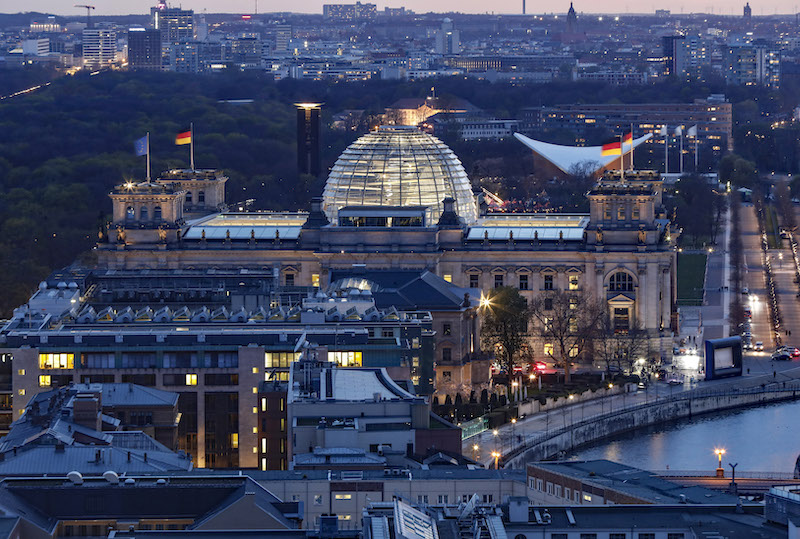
x,y
508,7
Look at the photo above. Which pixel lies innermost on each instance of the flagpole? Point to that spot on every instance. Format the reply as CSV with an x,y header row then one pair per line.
x,y
191,144
633,167
148,157
622,155
681,152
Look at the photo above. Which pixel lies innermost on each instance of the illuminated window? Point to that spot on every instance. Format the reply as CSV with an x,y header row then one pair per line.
x,y
44,380
263,464
607,214
621,282
263,445
263,404
343,497
255,370
56,361
255,409
280,360
573,352
283,424
548,349
587,497
191,379
21,392
573,282
255,431
315,279
448,277
345,517
21,372
282,402
345,359
235,440
255,390
636,213
620,214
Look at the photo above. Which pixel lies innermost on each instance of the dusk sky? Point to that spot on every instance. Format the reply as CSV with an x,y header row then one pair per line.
x,y
118,7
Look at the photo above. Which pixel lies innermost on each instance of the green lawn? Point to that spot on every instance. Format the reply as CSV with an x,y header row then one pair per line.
x,y
691,278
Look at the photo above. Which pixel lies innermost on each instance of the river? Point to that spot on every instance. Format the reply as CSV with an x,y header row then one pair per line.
x,y
760,439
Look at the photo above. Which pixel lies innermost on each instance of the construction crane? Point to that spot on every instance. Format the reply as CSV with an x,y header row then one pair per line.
x,y
88,14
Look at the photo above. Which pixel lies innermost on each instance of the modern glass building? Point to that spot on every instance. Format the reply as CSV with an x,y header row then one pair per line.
x,y
399,166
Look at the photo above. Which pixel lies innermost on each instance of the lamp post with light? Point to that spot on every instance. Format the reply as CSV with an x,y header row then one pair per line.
x,y
475,452
720,470
496,457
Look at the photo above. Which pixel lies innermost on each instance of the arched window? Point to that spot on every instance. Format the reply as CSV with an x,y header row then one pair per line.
x,y
188,198
621,282
143,214
130,213
201,197
157,213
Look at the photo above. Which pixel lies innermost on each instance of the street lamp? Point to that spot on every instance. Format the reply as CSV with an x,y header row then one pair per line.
x,y
475,452
720,470
496,457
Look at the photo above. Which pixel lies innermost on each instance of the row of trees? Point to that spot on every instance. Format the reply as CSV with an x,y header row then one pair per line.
x,y
574,324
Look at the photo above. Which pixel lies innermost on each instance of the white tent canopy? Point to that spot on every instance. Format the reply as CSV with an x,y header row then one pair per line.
x,y
567,157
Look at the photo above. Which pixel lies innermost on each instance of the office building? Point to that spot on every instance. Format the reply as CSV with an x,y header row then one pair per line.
x,y
308,138
448,39
753,64
687,56
99,48
144,49
350,12
283,35
335,408
713,117
177,32
36,47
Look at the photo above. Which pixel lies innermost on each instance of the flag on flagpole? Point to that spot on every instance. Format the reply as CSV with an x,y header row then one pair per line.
x,y
184,137
679,131
627,138
611,147
140,146
663,131
692,131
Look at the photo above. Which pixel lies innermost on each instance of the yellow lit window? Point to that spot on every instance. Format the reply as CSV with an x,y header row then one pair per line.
x,y
345,359
255,430
620,214
21,372
343,497
282,401
264,464
56,361
345,517
235,440
255,390
255,370
263,404
255,449
255,409
263,445
283,424
44,380
21,392
548,349
573,282
448,277
191,379
315,279
573,352
21,412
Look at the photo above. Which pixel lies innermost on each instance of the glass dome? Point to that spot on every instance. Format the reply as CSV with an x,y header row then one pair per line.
x,y
399,166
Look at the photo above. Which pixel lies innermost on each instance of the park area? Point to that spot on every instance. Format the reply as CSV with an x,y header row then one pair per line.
x,y
691,278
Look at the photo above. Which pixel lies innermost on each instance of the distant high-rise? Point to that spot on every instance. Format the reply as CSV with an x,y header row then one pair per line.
x,y
308,138
177,29
448,39
758,63
572,20
350,12
283,35
99,47
144,49
748,12
523,7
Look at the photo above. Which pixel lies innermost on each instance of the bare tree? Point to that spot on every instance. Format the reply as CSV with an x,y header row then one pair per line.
x,y
505,322
568,321
620,348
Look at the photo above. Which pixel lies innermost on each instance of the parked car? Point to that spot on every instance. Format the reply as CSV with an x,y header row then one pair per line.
x,y
759,346
781,356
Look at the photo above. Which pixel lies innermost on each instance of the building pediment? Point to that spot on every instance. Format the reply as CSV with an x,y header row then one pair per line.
x,y
625,298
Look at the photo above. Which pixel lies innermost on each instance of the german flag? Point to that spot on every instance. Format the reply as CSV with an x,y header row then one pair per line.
x,y
184,138
628,138
612,147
